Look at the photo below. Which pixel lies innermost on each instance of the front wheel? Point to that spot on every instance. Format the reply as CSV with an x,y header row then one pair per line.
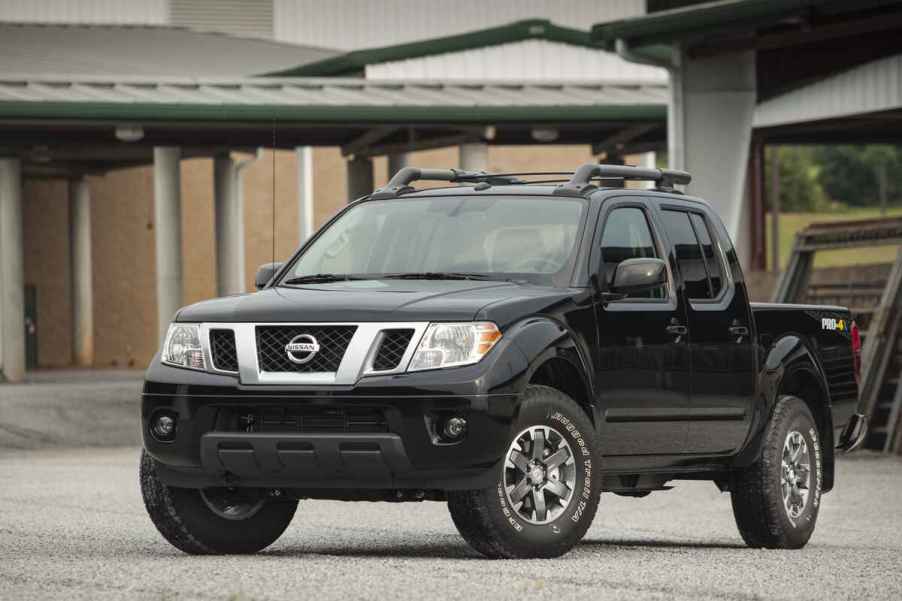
x,y
776,500
546,494
213,521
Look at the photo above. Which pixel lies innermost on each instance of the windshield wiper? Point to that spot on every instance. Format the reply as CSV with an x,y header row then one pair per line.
x,y
439,275
320,278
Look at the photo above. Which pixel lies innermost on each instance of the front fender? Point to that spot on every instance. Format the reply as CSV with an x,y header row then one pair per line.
x,y
533,342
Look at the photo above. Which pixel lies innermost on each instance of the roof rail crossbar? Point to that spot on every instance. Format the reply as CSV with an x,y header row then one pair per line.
x,y
581,182
400,182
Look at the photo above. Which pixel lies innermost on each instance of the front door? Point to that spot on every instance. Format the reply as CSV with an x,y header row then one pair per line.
x,y
643,371
723,354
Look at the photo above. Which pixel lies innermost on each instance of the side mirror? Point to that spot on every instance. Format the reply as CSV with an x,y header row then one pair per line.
x,y
633,276
265,273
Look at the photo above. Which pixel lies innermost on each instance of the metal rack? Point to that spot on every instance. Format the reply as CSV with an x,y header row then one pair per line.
x,y
881,321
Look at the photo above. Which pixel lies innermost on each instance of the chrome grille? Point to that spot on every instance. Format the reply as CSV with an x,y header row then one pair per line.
x,y
223,351
333,343
391,349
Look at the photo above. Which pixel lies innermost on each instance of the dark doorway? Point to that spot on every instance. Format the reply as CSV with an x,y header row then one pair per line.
x,y
31,327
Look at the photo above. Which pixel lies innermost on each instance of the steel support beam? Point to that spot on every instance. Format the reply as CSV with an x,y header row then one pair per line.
x,y
305,193
82,272
474,156
360,177
396,162
229,230
12,272
168,233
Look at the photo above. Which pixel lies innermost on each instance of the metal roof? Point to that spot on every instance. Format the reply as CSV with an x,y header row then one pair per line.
x,y
709,17
142,50
324,100
354,62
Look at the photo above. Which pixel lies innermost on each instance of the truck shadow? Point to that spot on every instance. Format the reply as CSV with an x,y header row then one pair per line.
x,y
659,544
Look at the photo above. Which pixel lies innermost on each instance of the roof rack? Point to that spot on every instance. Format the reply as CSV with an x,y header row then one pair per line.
x,y
580,183
400,182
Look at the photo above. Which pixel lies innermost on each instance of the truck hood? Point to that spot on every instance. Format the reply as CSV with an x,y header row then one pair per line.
x,y
378,300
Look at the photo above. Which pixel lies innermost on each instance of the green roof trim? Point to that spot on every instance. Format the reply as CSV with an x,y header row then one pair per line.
x,y
356,61
702,19
174,112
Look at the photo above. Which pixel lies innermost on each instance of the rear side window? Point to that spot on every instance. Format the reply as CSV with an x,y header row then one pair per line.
x,y
627,236
699,265
712,259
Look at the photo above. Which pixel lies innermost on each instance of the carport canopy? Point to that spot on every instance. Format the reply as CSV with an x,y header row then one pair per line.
x,y
92,124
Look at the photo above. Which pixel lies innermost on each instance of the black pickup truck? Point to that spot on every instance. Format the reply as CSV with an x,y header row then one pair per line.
x,y
513,349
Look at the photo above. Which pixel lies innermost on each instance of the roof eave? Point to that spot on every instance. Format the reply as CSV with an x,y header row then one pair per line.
x,y
355,62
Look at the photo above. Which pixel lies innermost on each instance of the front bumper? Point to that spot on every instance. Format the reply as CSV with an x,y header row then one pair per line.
x,y
209,450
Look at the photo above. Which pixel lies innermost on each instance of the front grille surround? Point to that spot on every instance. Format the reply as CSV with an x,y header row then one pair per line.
x,y
393,345
223,352
358,355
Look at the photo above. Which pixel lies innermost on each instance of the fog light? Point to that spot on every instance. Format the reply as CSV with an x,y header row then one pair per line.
x,y
454,427
163,427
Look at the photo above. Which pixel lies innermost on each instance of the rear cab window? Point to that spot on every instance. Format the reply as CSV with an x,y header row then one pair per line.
x,y
698,260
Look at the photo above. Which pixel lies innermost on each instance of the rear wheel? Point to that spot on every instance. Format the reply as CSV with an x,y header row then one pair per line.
x,y
545,497
776,500
214,520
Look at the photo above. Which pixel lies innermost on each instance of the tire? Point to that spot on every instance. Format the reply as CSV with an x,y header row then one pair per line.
x,y
762,515
496,526
186,519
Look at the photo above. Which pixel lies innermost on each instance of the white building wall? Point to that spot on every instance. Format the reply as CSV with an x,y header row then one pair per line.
x,y
137,12
355,24
522,61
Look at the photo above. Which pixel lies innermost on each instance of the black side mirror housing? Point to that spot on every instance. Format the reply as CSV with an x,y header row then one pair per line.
x,y
634,276
265,273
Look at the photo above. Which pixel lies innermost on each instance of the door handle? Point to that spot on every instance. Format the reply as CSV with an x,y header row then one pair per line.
x,y
739,331
677,329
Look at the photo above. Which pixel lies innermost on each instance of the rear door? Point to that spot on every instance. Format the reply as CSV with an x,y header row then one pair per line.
x,y
721,342
643,371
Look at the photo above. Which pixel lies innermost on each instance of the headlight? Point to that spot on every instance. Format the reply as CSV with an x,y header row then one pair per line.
x,y
453,344
182,347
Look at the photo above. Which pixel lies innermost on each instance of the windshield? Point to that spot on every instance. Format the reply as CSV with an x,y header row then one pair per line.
x,y
529,238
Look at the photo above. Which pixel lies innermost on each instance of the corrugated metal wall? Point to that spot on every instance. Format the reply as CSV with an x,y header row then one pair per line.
x,y
527,60
143,12
252,18
873,87
353,24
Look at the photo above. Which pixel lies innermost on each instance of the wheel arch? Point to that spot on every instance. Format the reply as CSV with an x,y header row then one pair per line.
x,y
556,357
791,368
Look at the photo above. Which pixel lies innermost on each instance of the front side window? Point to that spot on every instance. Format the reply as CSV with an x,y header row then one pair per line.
x,y
529,238
627,236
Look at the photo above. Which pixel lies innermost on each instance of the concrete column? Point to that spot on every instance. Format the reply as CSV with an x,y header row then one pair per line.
x,y
709,129
396,162
12,272
229,217
305,193
82,276
168,229
474,157
360,177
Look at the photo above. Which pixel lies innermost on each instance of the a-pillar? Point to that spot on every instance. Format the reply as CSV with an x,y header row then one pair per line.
x,y
710,127
12,272
168,230
360,177
82,275
474,156
229,216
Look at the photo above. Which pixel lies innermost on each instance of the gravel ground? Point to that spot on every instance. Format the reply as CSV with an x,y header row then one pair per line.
x,y
72,526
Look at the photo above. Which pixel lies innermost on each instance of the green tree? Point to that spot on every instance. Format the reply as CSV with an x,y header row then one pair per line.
x,y
851,174
800,188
